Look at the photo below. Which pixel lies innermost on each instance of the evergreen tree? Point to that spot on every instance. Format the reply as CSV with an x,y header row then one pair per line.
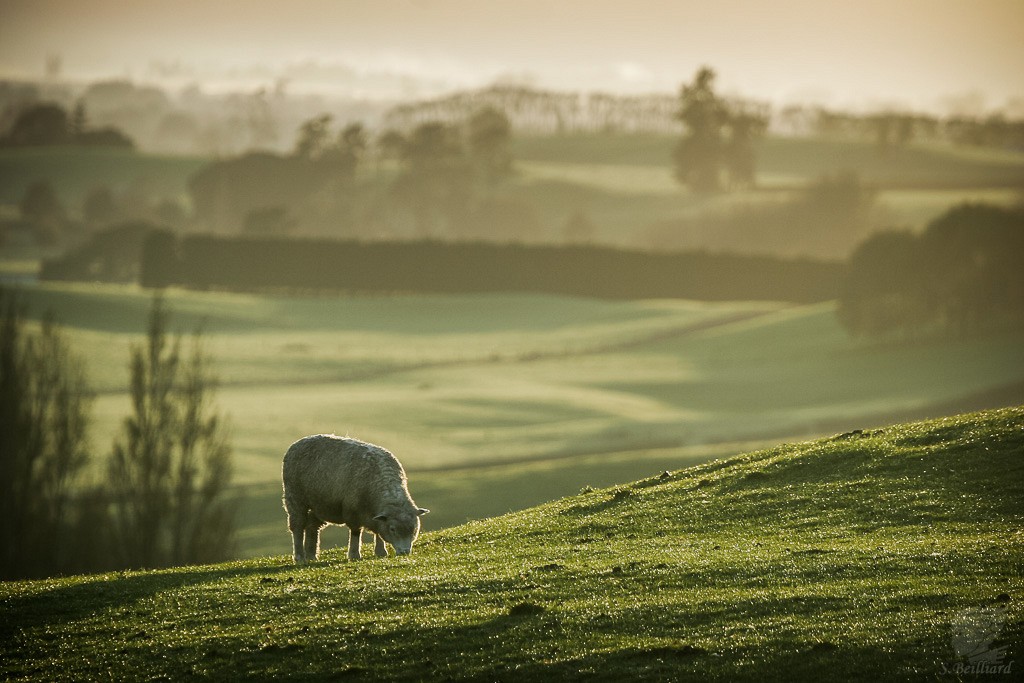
x,y
698,156
44,412
488,139
172,463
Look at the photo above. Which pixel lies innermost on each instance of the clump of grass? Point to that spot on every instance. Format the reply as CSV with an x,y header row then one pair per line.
x,y
848,558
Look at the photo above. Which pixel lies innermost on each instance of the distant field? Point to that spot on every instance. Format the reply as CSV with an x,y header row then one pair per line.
x,y
798,159
496,402
625,185
622,183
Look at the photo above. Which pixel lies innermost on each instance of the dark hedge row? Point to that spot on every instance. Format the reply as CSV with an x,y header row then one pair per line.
x,y
250,264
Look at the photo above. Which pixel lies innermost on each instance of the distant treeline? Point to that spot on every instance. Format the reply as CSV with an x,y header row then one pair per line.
x,y
48,124
254,264
962,276
538,111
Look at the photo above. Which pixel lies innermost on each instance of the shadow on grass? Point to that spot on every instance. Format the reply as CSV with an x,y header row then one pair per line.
x,y
92,595
534,643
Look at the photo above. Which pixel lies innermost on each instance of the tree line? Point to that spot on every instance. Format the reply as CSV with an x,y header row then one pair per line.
x,y
48,124
438,178
961,276
893,130
544,111
162,497
195,122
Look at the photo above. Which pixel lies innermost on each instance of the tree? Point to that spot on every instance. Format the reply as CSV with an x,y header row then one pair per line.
x,y
960,277
313,136
79,122
44,410
49,124
488,140
390,144
171,465
882,289
738,153
337,162
40,124
223,192
436,180
698,156
353,141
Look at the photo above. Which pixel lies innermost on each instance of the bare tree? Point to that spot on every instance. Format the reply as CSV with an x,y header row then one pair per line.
x,y
171,466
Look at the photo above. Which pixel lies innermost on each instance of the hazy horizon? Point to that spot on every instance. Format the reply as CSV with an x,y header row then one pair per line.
x,y
912,54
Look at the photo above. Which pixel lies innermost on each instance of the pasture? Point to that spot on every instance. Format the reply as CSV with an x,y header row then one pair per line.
x,y
875,556
622,184
498,402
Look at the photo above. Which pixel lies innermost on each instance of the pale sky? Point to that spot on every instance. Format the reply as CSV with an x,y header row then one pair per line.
x,y
863,53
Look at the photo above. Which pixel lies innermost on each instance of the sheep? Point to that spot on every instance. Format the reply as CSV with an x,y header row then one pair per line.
x,y
330,479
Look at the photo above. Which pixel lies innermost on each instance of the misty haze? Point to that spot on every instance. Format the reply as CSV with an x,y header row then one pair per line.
x,y
698,329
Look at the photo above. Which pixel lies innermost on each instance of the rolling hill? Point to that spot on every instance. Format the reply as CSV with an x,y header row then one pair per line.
x,y
499,402
621,183
870,556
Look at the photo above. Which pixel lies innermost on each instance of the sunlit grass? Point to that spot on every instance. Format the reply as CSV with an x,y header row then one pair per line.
x,y
848,558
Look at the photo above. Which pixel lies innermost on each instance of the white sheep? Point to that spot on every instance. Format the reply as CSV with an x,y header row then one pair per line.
x,y
330,479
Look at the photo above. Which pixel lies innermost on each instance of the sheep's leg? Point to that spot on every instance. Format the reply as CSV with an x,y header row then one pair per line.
x,y
312,546
379,549
296,524
355,541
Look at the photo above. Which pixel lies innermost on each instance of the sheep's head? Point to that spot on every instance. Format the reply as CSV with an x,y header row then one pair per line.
x,y
400,528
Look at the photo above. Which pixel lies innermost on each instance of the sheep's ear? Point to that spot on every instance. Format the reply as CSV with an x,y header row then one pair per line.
x,y
422,511
381,518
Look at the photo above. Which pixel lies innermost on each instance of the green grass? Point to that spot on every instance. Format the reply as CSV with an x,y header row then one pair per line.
x,y
534,396
849,558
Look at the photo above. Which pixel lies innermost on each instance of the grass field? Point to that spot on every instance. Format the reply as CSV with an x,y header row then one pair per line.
x,y
497,402
622,183
865,557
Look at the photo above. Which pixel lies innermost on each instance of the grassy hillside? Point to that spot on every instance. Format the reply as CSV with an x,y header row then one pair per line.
x,y
533,396
851,558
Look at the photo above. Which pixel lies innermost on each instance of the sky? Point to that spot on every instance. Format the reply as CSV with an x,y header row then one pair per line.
x,y
920,54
